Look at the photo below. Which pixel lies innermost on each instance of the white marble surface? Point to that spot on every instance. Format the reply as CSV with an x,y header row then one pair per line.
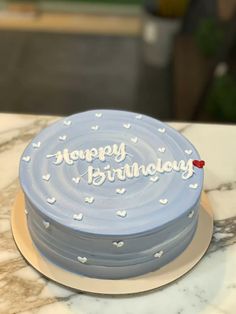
x,y
210,288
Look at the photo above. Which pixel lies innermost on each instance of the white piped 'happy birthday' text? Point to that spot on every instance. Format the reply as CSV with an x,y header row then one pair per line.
x,y
116,151
97,176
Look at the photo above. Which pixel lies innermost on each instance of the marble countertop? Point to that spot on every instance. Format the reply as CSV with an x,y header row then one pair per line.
x,y
210,288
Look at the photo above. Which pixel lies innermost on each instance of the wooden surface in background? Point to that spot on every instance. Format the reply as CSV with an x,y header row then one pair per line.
x,y
73,23
226,9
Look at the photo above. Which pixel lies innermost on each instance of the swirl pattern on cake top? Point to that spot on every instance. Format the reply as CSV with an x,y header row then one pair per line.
x,y
111,194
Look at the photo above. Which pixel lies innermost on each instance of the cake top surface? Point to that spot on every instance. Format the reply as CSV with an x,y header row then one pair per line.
x,y
109,172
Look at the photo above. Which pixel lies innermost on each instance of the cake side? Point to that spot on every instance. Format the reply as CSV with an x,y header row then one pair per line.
x,y
111,257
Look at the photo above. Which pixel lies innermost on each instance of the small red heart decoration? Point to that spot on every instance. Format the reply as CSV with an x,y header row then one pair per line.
x,y
199,163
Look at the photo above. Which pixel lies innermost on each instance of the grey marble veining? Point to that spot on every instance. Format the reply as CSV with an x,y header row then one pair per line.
x,y
210,288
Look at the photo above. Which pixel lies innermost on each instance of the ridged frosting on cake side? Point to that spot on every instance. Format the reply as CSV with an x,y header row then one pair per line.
x,y
111,194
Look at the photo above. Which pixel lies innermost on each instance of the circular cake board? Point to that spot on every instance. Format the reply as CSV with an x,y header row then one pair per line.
x,y
175,269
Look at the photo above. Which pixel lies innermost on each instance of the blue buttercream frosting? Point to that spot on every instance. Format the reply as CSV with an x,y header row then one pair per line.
x,y
144,210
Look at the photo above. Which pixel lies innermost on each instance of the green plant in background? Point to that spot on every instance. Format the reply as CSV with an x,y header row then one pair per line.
x,y
209,37
221,100
172,8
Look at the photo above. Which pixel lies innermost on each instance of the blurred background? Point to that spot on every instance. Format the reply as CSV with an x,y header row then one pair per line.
x,y
171,59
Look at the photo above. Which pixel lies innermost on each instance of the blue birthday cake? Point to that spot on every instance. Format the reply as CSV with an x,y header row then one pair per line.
x,y
111,194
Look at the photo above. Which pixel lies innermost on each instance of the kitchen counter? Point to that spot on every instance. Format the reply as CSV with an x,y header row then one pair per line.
x,y
209,288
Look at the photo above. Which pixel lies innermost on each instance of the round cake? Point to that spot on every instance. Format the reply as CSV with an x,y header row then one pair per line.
x,y
111,194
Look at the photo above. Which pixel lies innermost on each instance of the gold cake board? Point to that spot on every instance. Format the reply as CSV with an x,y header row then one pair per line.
x,y
175,269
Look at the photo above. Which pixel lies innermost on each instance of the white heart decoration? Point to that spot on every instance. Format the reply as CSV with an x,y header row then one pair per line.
x,y
134,139
158,254
98,114
67,122
154,179
76,180
36,145
81,259
46,224
46,177
190,215
127,125
161,149
107,167
161,130
78,216
120,191
89,199
118,244
121,213
26,158
163,201
62,137
139,116
188,151
51,200
193,186
95,127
